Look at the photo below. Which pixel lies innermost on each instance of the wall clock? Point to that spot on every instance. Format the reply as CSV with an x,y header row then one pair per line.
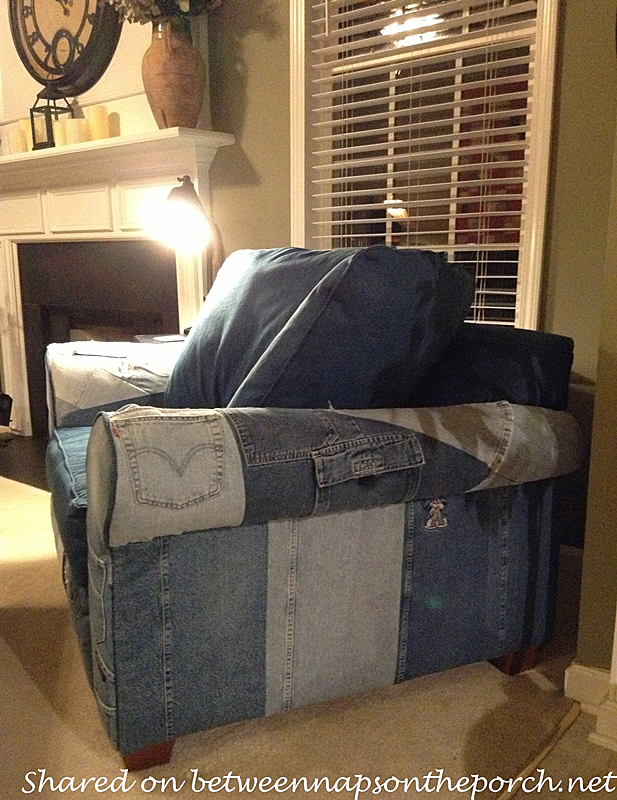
x,y
65,44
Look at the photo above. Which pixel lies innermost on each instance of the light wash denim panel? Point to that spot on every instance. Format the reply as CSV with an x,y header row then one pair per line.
x,y
85,375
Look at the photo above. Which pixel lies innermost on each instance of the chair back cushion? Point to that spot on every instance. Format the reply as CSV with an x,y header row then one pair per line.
x,y
310,329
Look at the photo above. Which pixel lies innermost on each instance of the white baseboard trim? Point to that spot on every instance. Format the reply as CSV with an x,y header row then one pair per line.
x,y
605,733
588,686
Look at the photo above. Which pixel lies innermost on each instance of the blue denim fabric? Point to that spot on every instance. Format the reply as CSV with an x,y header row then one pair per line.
x,y
333,602
473,586
298,463
200,629
189,617
66,478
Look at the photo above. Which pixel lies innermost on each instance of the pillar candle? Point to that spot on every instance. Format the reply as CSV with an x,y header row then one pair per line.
x,y
17,140
76,130
114,124
26,129
40,129
59,131
98,122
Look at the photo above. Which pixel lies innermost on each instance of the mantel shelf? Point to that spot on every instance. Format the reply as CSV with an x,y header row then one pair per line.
x,y
121,158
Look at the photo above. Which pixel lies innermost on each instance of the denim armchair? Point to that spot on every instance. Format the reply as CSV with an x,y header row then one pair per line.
x,y
333,485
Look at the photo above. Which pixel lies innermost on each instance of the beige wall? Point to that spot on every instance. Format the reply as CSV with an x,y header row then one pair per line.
x,y
599,586
249,88
582,168
581,284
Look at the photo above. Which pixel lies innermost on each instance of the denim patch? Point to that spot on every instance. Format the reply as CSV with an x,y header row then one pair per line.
x,y
301,462
175,471
365,457
333,605
180,469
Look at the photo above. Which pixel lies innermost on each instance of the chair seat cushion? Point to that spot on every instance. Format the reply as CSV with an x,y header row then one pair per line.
x,y
308,329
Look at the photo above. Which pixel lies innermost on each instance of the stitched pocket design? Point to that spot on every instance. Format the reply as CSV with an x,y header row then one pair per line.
x,y
174,465
98,579
365,457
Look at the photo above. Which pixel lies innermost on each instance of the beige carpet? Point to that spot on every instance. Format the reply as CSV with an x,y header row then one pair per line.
x,y
466,721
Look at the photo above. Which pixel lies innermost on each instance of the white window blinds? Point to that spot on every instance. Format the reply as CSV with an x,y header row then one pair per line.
x,y
420,130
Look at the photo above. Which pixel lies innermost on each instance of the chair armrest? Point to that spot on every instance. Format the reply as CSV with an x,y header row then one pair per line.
x,y
92,376
166,472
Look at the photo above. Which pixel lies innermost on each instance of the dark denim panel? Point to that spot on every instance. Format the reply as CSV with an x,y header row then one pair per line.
x,y
66,477
297,462
533,558
454,582
254,295
487,363
365,335
207,589
447,470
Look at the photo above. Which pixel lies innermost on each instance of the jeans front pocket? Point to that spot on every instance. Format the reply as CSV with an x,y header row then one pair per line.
x,y
97,576
103,678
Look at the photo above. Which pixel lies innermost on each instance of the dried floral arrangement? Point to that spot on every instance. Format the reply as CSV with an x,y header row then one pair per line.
x,y
143,11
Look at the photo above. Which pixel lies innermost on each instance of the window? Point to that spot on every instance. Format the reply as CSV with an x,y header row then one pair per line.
x,y
428,125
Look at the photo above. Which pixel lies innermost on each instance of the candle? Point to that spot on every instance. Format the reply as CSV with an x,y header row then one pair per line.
x,y
17,140
98,122
40,129
26,129
76,130
114,124
59,131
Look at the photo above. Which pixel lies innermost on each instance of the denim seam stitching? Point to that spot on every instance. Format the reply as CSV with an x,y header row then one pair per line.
x,y
325,305
79,503
506,436
290,621
406,592
109,710
101,564
503,577
166,637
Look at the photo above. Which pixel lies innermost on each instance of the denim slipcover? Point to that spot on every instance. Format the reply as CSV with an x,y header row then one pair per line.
x,y
485,363
240,560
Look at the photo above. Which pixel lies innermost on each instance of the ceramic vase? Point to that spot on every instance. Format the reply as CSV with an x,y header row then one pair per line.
x,y
174,74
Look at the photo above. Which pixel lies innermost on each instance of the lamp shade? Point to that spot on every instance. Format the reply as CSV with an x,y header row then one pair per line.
x,y
181,222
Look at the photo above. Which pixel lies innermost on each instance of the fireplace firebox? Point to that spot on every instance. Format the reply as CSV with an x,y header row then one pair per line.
x,y
91,290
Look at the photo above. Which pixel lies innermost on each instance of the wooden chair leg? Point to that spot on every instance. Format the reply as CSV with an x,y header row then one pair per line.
x,y
521,661
152,756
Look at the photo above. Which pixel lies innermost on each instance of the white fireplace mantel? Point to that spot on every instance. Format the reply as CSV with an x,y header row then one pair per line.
x,y
91,192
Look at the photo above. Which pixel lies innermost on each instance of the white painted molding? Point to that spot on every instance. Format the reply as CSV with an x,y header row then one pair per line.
x,y
532,244
589,686
605,733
